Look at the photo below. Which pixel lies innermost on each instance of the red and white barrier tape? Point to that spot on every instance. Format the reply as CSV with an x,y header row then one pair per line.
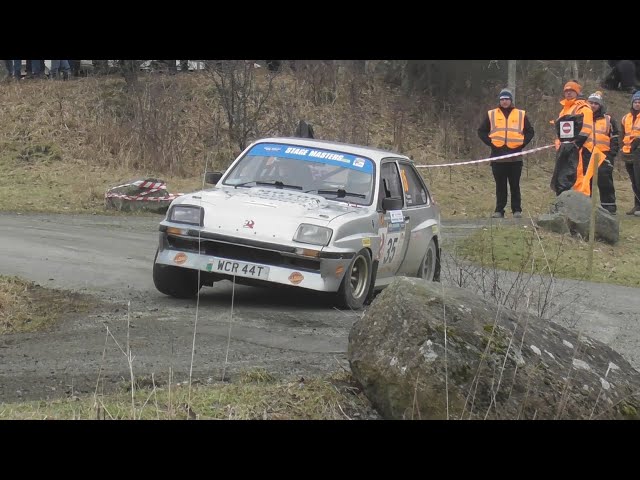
x,y
487,159
144,184
151,187
171,196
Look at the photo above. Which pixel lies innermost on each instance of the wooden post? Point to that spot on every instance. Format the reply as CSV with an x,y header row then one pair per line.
x,y
595,201
511,78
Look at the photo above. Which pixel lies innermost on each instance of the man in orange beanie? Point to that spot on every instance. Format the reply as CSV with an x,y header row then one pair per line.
x,y
574,126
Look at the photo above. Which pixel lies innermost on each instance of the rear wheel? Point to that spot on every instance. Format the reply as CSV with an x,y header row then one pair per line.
x,y
175,281
357,279
429,268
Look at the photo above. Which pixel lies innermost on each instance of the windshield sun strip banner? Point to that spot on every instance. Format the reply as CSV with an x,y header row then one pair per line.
x,y
298,152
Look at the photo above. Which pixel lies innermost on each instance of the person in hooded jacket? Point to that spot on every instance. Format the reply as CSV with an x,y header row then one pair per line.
x,y
506,130
630,134
606,139
573,126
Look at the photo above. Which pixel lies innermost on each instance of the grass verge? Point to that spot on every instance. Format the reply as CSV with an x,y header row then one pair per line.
x,y
27,307
506,247
256,396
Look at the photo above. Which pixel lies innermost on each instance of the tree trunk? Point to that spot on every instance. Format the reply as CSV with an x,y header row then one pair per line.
x,y
511,80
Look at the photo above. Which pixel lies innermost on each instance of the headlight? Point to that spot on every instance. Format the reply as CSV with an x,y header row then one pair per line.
x,y
186,214
313,234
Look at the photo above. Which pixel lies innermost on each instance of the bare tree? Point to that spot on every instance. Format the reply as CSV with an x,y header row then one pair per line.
x,y
129,69
242,97
511,81
321,76
571,69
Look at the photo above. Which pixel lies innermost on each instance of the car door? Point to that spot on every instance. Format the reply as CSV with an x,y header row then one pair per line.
x,y
393,227
419,215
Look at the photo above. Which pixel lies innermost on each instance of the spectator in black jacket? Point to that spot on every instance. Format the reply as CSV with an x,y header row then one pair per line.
x,y
607,140
506,130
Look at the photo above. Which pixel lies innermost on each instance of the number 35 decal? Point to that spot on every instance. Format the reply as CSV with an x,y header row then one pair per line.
x,y
390,249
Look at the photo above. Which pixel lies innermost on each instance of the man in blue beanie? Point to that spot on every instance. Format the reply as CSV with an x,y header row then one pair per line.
x,y
606,139
506,130
630,133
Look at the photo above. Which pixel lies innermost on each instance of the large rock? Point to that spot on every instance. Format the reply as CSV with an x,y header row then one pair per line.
x,y
554,222
571,212
497,364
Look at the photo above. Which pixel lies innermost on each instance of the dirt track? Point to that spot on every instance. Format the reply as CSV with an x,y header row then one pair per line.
x,y
111,258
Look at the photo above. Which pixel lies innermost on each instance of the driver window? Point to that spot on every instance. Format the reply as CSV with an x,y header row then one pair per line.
x,y
390,177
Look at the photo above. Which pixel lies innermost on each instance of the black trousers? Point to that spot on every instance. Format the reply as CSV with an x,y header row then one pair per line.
x,y
605,182
503,173
633,169
606,187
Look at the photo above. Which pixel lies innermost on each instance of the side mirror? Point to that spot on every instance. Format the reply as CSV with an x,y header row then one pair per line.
x,y
391,203
212,177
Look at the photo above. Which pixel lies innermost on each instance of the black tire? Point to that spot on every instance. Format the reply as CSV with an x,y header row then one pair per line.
x,y
355,285
175,281
430,265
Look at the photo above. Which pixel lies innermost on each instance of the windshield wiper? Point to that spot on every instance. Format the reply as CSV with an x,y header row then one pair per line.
x,y
276,183
244,183
340,193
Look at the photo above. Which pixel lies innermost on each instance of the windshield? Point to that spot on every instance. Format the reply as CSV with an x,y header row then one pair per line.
x,y
334,175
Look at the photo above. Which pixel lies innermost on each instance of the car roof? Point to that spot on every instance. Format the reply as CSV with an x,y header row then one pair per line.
x,y
374,154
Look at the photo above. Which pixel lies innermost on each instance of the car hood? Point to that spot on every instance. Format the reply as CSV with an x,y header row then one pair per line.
x,y
265,214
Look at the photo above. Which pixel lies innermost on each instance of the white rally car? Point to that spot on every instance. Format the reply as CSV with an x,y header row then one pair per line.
x,y
307,213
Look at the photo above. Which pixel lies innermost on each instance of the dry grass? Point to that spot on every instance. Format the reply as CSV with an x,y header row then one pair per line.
x,y
333,397
27,307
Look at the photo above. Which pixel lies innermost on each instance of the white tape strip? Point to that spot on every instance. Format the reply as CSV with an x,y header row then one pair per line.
x,y
526,152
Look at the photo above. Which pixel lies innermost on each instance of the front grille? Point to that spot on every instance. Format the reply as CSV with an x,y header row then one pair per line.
x,y
241,253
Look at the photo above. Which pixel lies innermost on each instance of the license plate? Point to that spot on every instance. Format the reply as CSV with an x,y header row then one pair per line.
x,y
240,269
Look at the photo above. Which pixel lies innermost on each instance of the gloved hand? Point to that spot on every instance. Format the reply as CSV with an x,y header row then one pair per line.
x,y
606,166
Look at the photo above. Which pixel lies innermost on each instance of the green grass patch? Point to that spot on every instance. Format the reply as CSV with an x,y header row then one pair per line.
x,y
332,397
517,248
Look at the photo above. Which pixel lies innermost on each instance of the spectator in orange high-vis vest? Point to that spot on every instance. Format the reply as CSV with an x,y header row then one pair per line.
x,y
574,126
630,134
506,130
605,142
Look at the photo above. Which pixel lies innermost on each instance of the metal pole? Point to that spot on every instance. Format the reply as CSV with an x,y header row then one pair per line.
x,y
595,200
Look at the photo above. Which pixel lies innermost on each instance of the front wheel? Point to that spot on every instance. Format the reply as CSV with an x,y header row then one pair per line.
x,y
357,279
175,281
430,266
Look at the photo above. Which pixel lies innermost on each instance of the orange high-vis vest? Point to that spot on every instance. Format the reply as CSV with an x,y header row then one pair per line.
x,y
583,180
631,131
505,131
602,128
577,107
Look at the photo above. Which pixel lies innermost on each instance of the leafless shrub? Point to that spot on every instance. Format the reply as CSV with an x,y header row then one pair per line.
x,y
525,288
321,78
242,98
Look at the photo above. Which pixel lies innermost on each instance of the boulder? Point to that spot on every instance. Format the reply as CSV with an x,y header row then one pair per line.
x,y
495,364
571,212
